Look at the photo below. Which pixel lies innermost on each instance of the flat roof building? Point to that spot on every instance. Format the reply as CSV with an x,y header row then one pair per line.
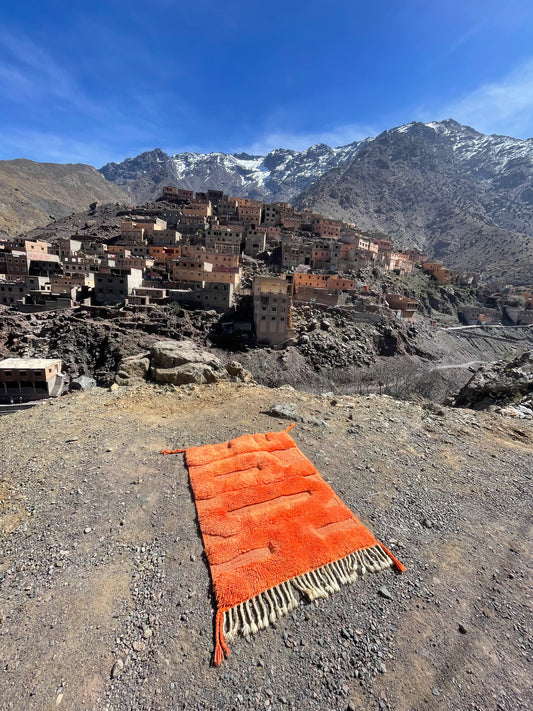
x,y
30,378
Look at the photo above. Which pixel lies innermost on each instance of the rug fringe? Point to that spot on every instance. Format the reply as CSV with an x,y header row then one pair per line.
x,y
264,609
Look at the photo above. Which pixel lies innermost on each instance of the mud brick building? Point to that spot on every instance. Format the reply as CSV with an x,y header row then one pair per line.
x,y
272,302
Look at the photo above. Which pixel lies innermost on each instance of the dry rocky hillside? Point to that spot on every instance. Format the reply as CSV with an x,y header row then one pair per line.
x,y
105,598
31,194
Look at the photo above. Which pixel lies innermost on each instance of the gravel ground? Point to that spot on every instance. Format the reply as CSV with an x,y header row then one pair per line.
x,y
105,598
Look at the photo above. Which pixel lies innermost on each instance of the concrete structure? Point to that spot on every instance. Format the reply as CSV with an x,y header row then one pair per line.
x,y
332,282
198,210
295,252
64,284
146,295
131,232
193,270
224,239
519,316
11,292
38,283
324,227
30,378
254,242
250,214
404,306
442,274
271,214
165,238
173,194
162,255
397,262
14,263
271,301
114,286
213,295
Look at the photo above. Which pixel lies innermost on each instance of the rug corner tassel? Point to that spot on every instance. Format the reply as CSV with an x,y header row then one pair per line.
x,y
399,566
221,648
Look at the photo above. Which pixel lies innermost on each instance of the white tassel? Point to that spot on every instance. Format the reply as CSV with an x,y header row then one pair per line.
x,y
265,608
245,626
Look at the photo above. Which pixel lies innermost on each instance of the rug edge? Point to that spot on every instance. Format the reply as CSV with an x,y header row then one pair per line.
x,y
257,613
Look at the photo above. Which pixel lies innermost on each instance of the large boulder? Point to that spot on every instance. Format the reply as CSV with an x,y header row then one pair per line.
x,y
238,372
170,354
499,384
133,369
182,362
197,373
83,382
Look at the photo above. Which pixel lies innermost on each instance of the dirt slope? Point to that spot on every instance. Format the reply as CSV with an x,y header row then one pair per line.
x,y
32,193
101,558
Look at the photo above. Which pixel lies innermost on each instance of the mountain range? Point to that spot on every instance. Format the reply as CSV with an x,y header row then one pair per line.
x,y
458,195
281,175
454,193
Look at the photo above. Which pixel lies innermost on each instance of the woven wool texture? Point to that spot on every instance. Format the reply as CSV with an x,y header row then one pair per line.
x,y
268,517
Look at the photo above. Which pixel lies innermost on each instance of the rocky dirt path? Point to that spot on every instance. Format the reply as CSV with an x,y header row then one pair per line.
x,y
105,598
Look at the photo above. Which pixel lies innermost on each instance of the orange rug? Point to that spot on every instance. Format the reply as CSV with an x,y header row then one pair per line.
x,y
272,528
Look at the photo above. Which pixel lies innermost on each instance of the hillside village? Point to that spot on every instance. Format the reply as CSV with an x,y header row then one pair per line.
x,y
192,249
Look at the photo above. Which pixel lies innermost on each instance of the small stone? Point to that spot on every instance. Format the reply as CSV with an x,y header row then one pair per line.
x,y
139,646
427,523
113,387
384,592
71,439
147,633
116,671
382,669
59,699
87,530
462,629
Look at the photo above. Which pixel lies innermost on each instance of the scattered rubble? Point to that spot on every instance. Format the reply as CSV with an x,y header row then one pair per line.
x,y
504,385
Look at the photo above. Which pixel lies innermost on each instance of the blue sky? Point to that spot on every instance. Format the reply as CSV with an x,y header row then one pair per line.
x,y
99,81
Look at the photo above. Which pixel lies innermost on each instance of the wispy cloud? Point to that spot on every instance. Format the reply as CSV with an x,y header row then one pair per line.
x,y
337,136
28,74
54,148
504,106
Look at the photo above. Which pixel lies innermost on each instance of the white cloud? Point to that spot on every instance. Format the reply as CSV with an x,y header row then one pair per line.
x,y
504,106
338,136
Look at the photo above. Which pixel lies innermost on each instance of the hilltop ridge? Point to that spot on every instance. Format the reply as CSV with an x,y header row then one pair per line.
x,y
34,193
